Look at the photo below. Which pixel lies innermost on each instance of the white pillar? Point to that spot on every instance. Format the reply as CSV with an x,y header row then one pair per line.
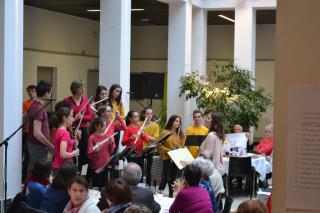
x,y
179,54
114,54
245,36
199,50
11,81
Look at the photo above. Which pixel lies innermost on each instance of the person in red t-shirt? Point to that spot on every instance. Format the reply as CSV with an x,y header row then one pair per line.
x,y
265,145
99,154
78,101
64,145
117,124
131,137
31,90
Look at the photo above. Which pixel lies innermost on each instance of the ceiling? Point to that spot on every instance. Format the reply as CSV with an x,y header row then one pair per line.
x,y
155,13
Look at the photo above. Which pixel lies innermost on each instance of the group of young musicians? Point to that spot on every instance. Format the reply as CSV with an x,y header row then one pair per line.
x,y
87,132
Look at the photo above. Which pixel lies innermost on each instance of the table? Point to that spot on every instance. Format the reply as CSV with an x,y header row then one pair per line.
x,y
259,162
165,202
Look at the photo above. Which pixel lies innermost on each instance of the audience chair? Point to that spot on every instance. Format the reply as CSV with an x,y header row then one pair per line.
x,y
241,167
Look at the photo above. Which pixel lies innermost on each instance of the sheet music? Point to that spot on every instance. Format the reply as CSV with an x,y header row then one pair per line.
x,y
178,155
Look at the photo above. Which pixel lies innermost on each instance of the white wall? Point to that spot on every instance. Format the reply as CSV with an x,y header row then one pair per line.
x,y
58,40
57,33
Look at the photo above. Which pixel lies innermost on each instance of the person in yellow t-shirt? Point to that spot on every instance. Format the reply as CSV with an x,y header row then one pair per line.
x,y
196,129
152,130
175,141
115,93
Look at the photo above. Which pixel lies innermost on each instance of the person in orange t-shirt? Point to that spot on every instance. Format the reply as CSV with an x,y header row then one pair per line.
x,y
31,90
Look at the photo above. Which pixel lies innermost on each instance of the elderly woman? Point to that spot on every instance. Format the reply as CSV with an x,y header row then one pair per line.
x,y
265,145
207,167
192,198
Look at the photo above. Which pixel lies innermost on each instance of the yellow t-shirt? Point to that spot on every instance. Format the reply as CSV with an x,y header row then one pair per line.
x,y
118,107
192,130
152,130
173,142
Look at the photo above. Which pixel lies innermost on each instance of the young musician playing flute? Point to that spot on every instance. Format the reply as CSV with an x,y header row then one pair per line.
x,y
134,135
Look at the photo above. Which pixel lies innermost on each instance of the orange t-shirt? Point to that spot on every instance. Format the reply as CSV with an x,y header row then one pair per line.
x,y
25,108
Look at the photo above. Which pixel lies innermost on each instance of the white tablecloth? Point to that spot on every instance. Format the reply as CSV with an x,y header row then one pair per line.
x,y
165,202
259,162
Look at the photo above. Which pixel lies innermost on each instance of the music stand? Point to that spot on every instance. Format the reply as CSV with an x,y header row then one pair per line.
x,y
163,139
195,140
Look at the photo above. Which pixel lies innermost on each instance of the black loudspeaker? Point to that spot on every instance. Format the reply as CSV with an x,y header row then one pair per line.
x,y
147,85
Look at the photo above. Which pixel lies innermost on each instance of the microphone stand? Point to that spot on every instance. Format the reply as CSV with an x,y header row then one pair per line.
x,y
5,143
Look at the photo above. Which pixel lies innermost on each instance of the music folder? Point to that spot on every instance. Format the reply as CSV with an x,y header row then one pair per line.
x,y
195,140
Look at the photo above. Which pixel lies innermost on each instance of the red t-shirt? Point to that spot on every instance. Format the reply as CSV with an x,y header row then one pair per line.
x,y
100,158
41,116
59,136
76,108
264,146
127,138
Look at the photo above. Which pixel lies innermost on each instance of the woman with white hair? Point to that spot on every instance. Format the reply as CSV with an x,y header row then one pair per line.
x,y
206,166
265,145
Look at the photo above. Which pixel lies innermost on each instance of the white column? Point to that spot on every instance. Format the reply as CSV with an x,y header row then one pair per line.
x,y
179,54
199,50
245,36
11,77
114,54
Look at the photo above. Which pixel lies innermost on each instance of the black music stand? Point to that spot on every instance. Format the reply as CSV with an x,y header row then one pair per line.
x,y
195,140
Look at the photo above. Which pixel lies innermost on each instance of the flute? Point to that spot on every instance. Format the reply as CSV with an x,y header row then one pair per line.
x,y
176,142
140,130
109,125
104,141
75,137
100,101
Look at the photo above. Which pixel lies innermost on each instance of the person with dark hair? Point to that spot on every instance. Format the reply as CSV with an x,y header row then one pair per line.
x,y
31,90
132,174
131,137
191,198
101,93
252,206
137,209
152,130
118,196
115,94
99,154
78,101
213,144
117,122
64,145
196,130
56,197
35,186
175,141
79,201
39,132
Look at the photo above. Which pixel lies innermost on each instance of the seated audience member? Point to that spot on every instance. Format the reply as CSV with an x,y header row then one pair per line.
x,y
238,129
252,206
132,174
119,196
36,184
206,167
137,209
56,197
265,145
79,200
19,205
192,198
215,177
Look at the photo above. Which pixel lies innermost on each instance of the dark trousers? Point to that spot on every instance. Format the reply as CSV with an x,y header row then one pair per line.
x,y
83,157
149,160
168,176
25,156
99,180
116,142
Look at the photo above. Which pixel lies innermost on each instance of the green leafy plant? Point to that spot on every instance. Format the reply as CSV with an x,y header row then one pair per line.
x,y
231,93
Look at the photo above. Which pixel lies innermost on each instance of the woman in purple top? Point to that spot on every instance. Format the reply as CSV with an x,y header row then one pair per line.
x,y
192,198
